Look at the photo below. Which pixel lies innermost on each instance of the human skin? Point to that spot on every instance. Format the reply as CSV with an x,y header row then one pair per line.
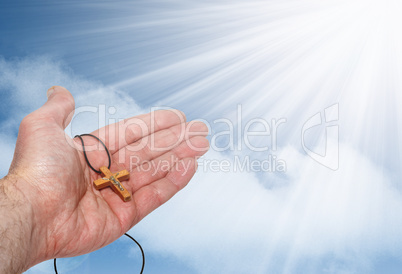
x,y
48,205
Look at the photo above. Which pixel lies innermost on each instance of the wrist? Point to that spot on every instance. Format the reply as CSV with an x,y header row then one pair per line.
x,y
18,239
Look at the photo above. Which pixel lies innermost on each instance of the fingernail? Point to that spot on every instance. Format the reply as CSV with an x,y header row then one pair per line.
x,y
50,91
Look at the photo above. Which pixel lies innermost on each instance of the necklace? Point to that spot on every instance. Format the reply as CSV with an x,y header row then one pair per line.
x,y
112,180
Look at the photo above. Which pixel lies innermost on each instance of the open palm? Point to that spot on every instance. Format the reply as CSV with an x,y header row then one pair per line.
x,y
70,216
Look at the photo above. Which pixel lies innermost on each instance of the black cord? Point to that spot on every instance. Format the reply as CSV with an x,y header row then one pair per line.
x,y
142,253
85,153
55,266
98,171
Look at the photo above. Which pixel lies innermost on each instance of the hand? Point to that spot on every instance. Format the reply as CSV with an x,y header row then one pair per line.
x,y
50,181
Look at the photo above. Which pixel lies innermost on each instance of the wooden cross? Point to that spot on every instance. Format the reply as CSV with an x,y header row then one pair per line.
x,y
113,180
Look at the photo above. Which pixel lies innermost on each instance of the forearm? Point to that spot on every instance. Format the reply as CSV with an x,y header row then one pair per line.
x,y
16,229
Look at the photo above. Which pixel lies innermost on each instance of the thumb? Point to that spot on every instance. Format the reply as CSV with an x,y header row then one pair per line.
x,y
60,105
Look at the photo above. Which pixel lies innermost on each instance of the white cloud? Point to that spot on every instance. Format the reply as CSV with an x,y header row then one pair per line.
x,y
228,222
27,80
110,105
236,222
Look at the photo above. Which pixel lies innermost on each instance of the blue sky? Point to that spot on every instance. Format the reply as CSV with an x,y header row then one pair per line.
x,y
275,60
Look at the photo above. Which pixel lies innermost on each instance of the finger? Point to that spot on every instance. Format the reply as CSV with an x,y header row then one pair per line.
x,y
154,195
128,131
95,151
158,168
145,149
59,107
158,143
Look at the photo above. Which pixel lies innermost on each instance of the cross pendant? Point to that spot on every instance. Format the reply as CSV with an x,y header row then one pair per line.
x,y
113,180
